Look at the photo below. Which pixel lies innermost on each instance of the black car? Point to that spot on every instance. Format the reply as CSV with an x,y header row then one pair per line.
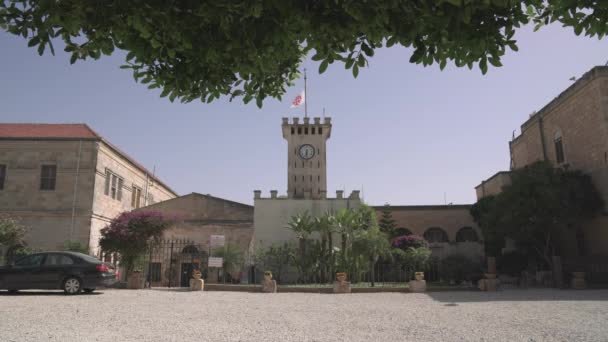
x,y
68,271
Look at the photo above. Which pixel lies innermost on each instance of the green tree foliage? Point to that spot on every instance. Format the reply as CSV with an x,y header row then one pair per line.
x,y
75,246
537,207
131,233
232,259
277,258
371,244
252,49
387,223
457,267
12,232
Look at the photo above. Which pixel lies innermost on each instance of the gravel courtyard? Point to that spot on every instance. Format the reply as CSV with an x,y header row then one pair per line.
x,y
166,315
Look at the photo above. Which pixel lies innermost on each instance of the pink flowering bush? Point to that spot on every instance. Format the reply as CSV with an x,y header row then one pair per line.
x,y
131,233
405,241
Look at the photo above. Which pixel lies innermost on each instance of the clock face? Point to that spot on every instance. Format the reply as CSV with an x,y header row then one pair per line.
x,y
307,151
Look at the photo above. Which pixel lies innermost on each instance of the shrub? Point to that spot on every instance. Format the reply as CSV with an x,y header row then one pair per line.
x,y
458,267
406,241
130,234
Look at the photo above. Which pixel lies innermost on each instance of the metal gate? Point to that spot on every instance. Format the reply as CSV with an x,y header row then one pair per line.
x,y
171,262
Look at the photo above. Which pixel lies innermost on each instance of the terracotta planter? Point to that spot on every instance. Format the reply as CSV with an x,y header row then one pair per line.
x,y
196,274
419,275
135,281
341,276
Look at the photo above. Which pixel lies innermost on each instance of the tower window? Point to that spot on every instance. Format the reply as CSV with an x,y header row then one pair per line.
x,y
319,178
302,164
295,178
311,178
320,130
306,130
302,178
312,130
318,164
559,147
299,130
293,130
295,164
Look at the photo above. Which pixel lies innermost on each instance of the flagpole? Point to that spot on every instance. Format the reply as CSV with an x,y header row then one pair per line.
x,y
305,96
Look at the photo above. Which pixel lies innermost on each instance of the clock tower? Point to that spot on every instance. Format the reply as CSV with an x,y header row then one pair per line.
x,y
306,157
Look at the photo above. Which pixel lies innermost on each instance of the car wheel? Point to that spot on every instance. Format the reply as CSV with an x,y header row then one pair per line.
x,y
88,290
72,285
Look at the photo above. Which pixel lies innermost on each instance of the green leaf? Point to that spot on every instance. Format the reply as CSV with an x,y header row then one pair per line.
x,y
442,64
495,61
33,41
41,49
483,65
368,50
259,101
73,58
323,66
356,70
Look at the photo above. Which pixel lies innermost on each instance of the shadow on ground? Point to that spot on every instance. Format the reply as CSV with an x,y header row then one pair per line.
x,y
519,295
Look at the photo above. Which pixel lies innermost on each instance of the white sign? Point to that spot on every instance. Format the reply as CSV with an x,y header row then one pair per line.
x,y
217,240
216,262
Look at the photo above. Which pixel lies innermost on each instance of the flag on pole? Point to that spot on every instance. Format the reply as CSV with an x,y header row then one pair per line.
x,y
299,100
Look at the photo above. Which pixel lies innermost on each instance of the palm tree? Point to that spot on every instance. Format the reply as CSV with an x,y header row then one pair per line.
x,y
372,244
325,227
343,224
302,225
233,259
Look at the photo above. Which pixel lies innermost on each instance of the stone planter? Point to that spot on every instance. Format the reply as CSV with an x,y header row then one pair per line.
x,y
418,285
341,285
578,281
196,283
135,281
269,285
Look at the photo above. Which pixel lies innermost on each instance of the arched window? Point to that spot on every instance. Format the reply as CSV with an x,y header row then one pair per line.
x,y
559,147
467,234
435,234
190,250
402,231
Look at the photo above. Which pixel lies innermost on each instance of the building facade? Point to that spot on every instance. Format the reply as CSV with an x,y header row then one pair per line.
x,y
449,229
187,243
571,132
65,183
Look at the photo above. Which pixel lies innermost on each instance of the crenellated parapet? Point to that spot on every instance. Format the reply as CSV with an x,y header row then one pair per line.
x,y
354,195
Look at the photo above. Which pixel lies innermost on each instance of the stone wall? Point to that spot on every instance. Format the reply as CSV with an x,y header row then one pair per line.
x,y
271,215
105,208
493,185
580,116
52,216
450,218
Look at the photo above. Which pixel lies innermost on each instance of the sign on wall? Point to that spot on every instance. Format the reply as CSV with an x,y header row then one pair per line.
x,y
216,262
217,241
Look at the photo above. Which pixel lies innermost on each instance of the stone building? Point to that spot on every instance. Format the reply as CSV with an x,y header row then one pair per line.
x,y
66,182
571,132
306,183
186,243
449,229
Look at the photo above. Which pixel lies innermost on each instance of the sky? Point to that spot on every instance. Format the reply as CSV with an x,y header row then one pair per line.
x,y
402,133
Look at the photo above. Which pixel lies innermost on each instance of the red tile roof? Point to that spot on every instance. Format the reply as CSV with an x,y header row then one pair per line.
x,y
47,131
